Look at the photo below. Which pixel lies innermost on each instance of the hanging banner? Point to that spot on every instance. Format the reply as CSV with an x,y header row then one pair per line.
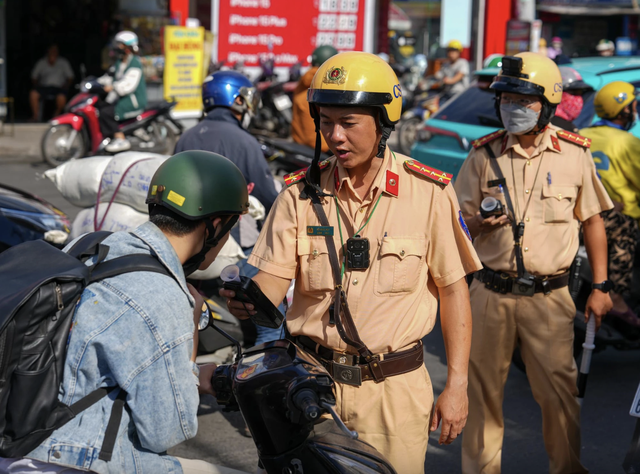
x,y
518,37
249,30
183,67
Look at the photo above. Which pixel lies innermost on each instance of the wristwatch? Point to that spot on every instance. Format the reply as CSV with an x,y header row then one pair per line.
x,y
606,286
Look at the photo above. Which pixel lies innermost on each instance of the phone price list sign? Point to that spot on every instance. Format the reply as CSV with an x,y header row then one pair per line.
x,y
249,30
183,70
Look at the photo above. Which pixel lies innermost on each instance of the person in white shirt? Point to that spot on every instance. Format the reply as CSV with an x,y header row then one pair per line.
x,y
51,77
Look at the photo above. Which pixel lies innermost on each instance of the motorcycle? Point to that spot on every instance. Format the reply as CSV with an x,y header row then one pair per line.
x,y
424,105
76,133
285,156
24,217
283,393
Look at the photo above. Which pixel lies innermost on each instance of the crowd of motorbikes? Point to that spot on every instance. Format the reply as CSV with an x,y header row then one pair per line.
x,y
282,391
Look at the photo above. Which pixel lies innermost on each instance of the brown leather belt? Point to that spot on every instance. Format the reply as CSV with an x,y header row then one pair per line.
x,y
501,282
353,369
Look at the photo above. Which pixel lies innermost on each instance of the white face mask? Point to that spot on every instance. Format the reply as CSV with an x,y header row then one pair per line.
x,y
517,119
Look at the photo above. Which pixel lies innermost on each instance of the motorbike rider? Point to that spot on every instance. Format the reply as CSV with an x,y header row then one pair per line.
x,y
127,91
546,179
615,151
230,100
569,108
606,47
137,330
303,129
454,74
408,216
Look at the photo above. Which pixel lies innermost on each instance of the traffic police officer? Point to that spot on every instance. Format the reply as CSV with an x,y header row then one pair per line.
x,y
615,151
402,244
546,179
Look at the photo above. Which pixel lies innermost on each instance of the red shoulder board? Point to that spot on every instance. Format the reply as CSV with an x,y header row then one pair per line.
x,y
296,176
574,138
436,175
487,138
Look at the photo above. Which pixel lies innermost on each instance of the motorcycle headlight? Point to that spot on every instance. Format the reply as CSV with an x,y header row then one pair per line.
x,y
353,466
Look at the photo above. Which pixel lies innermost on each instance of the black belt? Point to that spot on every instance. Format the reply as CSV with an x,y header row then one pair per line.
x,y
501,282
353,369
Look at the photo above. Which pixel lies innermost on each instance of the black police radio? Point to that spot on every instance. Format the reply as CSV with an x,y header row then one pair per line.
x,y
357,253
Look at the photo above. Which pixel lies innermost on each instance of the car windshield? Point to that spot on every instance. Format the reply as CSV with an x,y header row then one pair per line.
x,y
475,106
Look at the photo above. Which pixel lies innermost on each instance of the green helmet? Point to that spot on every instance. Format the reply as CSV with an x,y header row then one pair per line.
x,y
322,53
199,184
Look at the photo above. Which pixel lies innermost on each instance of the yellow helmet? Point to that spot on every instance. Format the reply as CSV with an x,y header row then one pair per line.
x,y
357,79
455,44
530,74
613,98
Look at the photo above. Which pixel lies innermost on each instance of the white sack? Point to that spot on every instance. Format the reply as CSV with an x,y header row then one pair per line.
x,y
119,217
78,180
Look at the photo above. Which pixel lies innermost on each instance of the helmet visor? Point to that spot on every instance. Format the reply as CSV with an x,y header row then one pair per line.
x,y
516,86
347,98
251,97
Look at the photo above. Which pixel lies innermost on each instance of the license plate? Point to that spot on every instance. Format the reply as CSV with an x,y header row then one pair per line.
x,y
635,406
282,102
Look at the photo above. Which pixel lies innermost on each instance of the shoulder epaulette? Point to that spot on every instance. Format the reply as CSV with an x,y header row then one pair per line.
x,y
574,138
293,178
487,138
436,175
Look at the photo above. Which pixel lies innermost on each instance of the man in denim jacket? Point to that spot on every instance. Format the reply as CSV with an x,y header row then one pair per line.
x,y
136,330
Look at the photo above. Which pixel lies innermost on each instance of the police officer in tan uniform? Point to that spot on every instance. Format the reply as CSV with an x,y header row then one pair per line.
x,y
401,246
546,181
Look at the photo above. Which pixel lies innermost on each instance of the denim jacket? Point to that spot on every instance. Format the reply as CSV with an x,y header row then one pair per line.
x,y
135,331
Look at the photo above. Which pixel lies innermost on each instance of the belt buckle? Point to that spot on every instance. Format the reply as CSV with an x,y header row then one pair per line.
x,y
347,374
546,286
345,369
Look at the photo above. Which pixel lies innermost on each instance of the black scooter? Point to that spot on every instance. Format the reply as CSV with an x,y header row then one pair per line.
x,y
283,393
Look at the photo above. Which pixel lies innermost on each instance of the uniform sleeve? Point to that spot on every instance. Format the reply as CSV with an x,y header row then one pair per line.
x,y
450,255
468,184
592,197
275,251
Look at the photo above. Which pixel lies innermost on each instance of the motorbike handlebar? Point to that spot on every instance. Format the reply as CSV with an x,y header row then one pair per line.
x,y
306,400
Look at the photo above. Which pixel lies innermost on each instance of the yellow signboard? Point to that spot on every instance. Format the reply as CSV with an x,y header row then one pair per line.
x,y
183,66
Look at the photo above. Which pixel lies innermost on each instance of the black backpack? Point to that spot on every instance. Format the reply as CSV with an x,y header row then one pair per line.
x,y
39,289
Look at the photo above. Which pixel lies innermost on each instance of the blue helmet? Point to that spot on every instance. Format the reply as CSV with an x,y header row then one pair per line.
x,y
222,88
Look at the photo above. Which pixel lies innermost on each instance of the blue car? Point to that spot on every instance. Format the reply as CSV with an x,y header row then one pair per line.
x,y
445,139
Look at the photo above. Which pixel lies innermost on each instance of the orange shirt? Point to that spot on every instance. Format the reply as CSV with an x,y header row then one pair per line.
x,y
417,244
303,129
566,192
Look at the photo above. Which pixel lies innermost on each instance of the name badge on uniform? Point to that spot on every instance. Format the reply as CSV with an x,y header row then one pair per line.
x,y
320,230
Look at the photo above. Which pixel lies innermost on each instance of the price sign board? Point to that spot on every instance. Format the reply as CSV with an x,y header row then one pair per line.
x,y
250,30
183,69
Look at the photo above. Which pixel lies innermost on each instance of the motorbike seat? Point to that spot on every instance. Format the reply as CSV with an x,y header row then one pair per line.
x,y
291,147
158,105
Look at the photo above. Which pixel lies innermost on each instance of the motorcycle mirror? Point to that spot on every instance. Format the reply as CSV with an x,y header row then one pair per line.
x,y
210,323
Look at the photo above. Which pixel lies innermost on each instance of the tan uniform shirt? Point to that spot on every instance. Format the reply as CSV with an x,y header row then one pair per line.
x,y
417,244
566,191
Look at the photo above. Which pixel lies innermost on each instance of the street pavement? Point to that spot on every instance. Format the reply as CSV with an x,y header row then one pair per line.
x,y
606,425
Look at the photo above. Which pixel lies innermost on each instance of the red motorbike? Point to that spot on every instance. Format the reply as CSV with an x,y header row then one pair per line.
x,y
76,133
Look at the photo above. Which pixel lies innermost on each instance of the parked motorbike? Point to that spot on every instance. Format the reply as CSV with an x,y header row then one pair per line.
x,y
285,156
283,394
76,133
275,113
25,217
423,106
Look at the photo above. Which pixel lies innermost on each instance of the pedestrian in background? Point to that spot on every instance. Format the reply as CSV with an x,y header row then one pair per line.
x,y
51,77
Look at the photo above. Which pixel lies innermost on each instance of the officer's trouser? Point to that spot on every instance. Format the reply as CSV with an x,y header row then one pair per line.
x,y
393,416
544,326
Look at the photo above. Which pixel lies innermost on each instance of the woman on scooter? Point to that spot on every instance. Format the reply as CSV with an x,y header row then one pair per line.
x,y
127,91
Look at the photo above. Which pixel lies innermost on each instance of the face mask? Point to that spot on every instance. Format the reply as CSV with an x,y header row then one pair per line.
x,y
632,122
517,119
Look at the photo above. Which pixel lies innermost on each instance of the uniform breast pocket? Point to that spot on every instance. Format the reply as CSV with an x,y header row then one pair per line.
x,y
400,264
315,266
558,201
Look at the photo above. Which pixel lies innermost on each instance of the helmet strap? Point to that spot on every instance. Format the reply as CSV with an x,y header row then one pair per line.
x,y
382,145
312,177
210,241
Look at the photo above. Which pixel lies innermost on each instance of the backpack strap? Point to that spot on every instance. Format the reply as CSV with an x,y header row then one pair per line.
x,y
127,264
88,245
